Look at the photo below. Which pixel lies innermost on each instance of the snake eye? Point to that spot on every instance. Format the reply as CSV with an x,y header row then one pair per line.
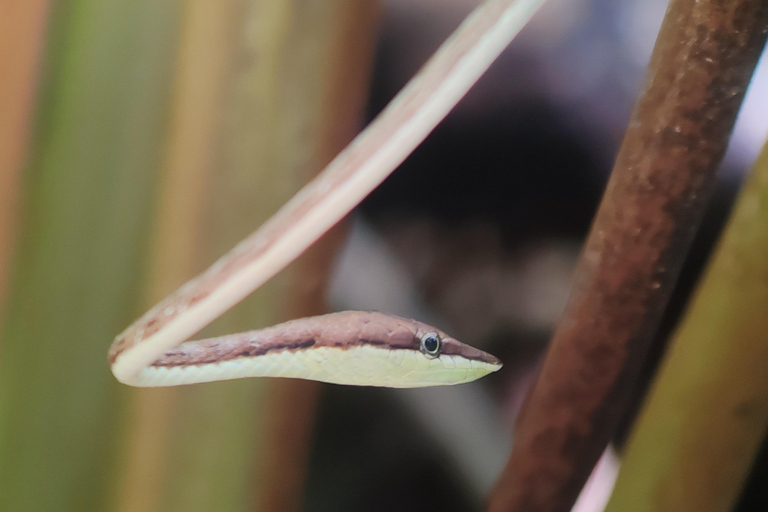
x,y
430,344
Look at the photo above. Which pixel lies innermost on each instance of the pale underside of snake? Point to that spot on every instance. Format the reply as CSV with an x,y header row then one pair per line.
x,y
352,347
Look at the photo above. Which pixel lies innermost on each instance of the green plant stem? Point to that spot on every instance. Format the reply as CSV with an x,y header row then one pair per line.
x,y
707,412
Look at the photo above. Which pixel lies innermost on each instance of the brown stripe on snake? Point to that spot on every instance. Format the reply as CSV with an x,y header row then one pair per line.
x,y
343,330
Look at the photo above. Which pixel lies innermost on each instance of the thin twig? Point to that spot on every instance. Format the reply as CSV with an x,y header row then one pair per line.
x,y
664,174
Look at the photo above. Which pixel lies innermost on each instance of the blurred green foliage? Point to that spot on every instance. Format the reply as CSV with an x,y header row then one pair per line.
x,y
85,203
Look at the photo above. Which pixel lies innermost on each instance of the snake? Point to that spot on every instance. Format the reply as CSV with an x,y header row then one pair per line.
x,y
351,347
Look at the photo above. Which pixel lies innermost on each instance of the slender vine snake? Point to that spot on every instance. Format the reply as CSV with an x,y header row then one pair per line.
x,y
352,347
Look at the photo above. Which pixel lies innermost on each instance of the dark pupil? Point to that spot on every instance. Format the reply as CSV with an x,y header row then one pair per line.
x,y
430,344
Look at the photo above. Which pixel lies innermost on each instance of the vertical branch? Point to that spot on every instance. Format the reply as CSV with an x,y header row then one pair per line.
x,y
702,62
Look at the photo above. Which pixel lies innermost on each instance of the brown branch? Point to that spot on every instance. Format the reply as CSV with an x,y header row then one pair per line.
x,y
665,171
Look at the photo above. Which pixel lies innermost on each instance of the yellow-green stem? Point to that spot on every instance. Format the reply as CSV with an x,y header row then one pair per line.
x,y
707,412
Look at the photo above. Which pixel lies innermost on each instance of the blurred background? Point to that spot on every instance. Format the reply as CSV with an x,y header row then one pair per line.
x,y
141,140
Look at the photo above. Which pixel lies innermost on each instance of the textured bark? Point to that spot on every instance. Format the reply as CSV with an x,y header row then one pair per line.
x,y
704,57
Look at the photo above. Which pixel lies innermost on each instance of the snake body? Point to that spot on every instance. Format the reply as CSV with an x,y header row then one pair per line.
x,y
347,348
350,347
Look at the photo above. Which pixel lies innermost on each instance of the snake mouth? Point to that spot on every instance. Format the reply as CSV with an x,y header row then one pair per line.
x,y
493,360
